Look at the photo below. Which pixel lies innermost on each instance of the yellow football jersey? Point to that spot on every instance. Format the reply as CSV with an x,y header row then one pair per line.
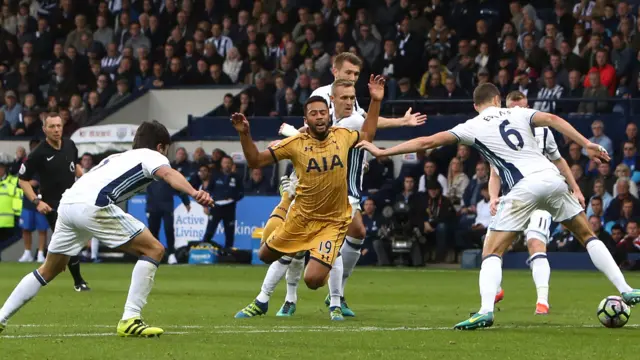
x,y
321,166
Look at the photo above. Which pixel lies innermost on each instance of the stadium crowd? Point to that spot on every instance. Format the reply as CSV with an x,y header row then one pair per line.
x,y
81,58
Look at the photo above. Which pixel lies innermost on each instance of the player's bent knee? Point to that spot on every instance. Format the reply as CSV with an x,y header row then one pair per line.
x,y
267,255
357,231
314,282
536,246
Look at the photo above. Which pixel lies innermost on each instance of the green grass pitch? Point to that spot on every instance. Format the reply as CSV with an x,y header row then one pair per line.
x,y
401,314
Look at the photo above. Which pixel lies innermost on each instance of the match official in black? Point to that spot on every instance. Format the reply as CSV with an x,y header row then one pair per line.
x,y
160,208
54,162
226,189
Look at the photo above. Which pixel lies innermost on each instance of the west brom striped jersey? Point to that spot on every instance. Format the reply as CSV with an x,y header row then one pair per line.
x,y
356,156
547,143
116,178
505,138
325,92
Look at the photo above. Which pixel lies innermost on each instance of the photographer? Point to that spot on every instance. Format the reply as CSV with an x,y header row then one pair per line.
x,y
434,214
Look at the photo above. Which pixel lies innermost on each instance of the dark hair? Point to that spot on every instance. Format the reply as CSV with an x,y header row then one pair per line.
x,y
484,93
314,99
617,227
150,134
596,198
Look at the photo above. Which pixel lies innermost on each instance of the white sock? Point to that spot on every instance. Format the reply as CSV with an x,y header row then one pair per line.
x,y
541,272
335,281
294,274
350,257
490,279
274,275
26,289
141,283
95,246
603,260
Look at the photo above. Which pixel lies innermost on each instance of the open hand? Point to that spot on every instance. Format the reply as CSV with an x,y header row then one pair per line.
x,y
597,153
374,150
376,87
240,123
415,119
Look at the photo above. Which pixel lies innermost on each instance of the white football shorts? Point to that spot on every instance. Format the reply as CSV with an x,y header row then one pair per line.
x,y
79,222
546,191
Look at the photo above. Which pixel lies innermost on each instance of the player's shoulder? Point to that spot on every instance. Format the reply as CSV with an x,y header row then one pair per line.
x,y
341,131
322,91
291,140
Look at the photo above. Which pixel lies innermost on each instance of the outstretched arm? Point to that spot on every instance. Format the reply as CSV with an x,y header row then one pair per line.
x,y
180,183
422,143
594,151
409,119
370,125
255,158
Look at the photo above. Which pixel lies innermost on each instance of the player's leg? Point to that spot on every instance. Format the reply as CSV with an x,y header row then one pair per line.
x,y
294,275
276,270
512,217
169,234
212,224
74,260
229,223
536,238
132,237
350,254
27,223
325,258
42,226
601,257
64,242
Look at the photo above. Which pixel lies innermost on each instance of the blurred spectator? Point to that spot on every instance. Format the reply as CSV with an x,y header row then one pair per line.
x,y
5,127
182,163
233,64
614,211
622,173
480,216
374,249
29,125
564,241
550,91
595,91
121,94
430,173
257,184
290,105
227,108
379,175
599,137
457,181
11,109
630,156
435,215
606,72
596,208
574,91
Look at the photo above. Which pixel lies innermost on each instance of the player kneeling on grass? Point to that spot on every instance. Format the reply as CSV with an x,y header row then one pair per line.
x,y
89,209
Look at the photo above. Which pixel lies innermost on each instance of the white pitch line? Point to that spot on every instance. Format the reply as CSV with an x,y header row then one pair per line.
x,y
110,334
231,329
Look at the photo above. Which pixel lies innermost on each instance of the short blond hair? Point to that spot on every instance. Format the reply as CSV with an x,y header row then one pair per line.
x,y
348,57
341,83
515,96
